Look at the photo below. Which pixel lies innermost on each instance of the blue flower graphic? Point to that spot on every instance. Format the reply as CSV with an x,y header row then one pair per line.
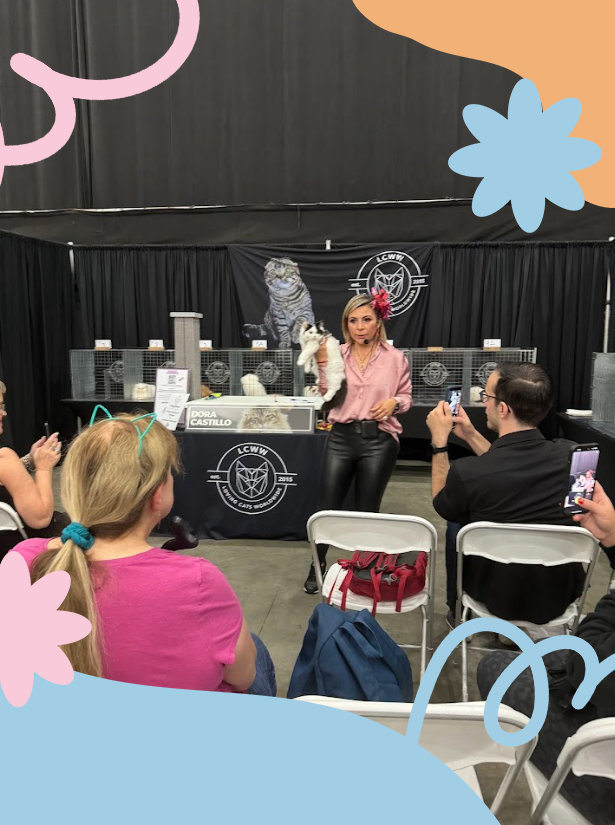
x,y
525,158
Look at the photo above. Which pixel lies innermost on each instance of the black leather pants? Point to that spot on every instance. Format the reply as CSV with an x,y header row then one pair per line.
x,y
369,461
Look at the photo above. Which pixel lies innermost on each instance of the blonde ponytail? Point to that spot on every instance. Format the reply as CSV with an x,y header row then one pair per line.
x,y
84,655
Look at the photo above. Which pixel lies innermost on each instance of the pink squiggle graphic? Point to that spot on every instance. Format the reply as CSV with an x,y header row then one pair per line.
x,y
63,90
62,129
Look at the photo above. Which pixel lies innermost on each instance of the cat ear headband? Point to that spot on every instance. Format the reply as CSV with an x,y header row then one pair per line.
x,y
381,303
142,434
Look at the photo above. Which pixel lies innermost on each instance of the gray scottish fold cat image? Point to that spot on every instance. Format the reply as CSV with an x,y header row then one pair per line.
x,y
290,305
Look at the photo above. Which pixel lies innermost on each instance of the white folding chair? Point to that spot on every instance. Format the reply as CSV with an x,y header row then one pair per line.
x,y
9,520
351,531
590,752
454,733
531,544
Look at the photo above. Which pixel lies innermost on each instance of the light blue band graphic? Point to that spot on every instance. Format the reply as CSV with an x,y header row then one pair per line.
x,y
531,656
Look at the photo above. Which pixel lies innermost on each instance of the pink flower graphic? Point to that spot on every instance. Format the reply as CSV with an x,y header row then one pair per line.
x,y
32,627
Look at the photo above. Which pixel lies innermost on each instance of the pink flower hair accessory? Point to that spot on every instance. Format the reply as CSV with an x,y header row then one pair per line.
x,y
381,303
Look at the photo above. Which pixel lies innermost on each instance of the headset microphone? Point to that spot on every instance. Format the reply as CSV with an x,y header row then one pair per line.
x,y
366,341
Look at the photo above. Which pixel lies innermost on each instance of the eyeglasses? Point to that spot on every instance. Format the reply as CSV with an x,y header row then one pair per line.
x,y
142,435
483,397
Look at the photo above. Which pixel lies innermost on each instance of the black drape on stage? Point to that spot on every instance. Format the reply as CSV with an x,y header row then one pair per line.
x,y
332,277
35,336
280,102
126,294
548,296
6,438
43,29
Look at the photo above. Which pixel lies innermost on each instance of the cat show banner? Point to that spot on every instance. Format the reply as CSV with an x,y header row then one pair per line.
x,y
279,287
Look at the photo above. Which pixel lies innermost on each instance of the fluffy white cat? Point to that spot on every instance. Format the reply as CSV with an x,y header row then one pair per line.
x,y
252,386
311,337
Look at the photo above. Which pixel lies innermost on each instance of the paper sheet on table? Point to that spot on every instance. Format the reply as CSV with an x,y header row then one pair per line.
x,y
170,408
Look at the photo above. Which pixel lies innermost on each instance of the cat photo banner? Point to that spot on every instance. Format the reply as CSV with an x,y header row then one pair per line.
x,y
280,287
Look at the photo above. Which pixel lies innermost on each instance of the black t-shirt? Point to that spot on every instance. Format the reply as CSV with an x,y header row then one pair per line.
x,y
521,479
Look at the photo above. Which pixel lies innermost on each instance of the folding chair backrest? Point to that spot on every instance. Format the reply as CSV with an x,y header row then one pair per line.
x,y
371,531
589,752
454,733
546,545
9,520
592,749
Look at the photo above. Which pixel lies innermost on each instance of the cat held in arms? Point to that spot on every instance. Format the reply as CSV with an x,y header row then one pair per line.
x,y
311,337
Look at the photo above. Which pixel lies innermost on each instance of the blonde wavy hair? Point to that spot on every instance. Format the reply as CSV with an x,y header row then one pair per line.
x,y
106,486
356,302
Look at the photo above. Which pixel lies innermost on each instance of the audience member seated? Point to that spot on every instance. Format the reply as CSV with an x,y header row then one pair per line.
x,y
158,618
593,797
520,478
30,495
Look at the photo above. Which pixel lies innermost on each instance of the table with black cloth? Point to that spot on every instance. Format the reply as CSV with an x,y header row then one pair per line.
x,y
222,491
587,431
248,486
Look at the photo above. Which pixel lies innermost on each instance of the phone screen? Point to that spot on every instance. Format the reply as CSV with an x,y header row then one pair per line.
x,y
453,397
581,476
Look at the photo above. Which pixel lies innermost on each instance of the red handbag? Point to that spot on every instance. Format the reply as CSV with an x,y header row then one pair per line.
x,y
384,577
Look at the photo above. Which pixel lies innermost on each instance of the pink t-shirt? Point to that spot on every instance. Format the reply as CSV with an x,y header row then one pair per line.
x,y
387,376
166,620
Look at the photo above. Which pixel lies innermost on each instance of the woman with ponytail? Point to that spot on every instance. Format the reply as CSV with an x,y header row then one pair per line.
x,y
157,618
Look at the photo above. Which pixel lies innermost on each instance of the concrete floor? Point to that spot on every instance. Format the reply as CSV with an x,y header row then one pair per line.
x,y
268,579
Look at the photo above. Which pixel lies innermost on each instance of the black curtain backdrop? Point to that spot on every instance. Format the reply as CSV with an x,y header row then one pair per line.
x,y
548,296
127,295
446,221
281,102
44,29
36,333
332,277
6,439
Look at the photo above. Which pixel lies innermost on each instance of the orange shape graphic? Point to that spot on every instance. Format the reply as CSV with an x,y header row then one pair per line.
x,y
564,48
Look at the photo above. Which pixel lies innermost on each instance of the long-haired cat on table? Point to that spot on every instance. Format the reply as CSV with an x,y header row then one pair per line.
x,y
311,337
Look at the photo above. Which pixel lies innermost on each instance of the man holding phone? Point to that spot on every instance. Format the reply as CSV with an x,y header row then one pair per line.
x,y
519,479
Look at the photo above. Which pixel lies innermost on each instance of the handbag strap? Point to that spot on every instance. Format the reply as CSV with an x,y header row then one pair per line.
x,y
376,578
344,587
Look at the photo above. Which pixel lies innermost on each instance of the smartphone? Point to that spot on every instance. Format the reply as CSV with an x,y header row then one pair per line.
x,y
453,398
581,476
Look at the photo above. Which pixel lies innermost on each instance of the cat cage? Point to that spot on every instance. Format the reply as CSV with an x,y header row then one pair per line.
x,y
603,387
275,369
117,374
433,371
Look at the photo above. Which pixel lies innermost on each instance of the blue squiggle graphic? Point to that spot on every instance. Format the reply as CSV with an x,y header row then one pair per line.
x,y
531,656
